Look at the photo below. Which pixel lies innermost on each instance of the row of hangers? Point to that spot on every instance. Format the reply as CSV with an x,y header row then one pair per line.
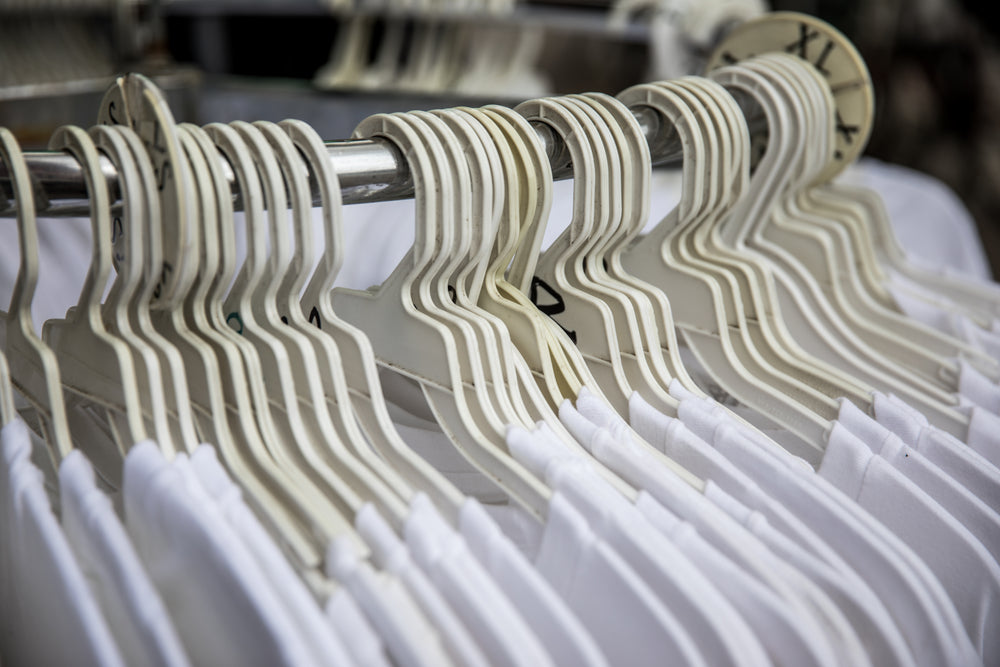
x,y
772,276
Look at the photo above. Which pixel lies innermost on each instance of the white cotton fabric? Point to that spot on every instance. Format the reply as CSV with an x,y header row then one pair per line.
x,y
48,614
390,554
716,628
916,599
346,619
562,633
625,457
978,388
800,547
962,464
929,220
954,457
499,630
408,636
984,434
222,606
214,485
961,563
959,502
926,307
766,613
136,616
629,623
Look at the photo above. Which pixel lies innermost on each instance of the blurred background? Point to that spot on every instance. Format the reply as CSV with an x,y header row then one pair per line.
x,y
935,64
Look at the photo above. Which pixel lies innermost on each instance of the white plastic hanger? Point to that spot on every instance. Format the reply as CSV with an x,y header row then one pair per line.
x,y
774,364
811,87
629,307
302,430
489,193
663,346
697,302
281,294
829,258
7,411
765,323
938,405
555,364
427,352
756,87
460,240
290,506
644,303
359,369
861,215
127,239
148,259
94,365
587,319
34,371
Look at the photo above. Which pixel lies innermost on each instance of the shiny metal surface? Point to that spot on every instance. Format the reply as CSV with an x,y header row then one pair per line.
x,y
369,170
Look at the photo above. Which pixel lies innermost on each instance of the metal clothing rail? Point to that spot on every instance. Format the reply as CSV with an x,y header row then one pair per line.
x,y
369,170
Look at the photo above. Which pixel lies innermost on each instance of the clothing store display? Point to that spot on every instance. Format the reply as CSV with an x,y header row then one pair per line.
x,y
671,377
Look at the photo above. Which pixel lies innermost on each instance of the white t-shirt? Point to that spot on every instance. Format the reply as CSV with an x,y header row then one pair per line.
x,y
933,310
930,221
978,388
625,457
500,631
962,463
352,628
984,434
674,439
564,636
390,554
806,551
136,616
953,456
767,614
962,564
214,486
48,614
708,618
916,599
628,621
962,504
220,601
409,637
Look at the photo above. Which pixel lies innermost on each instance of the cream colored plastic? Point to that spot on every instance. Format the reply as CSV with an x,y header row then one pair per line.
x,y
178,403
7,411
34,371
128,236
461,240
357,359
584,317
489,192
547,351
630,311
135,101
290,506
400,319
697,301
93,364
936,404
765,323
331,457
290,369
657,320
823,246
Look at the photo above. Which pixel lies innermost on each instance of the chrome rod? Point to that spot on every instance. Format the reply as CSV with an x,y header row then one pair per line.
x,y
370,170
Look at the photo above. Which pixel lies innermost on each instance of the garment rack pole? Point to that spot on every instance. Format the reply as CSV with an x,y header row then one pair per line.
x,y
369,170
